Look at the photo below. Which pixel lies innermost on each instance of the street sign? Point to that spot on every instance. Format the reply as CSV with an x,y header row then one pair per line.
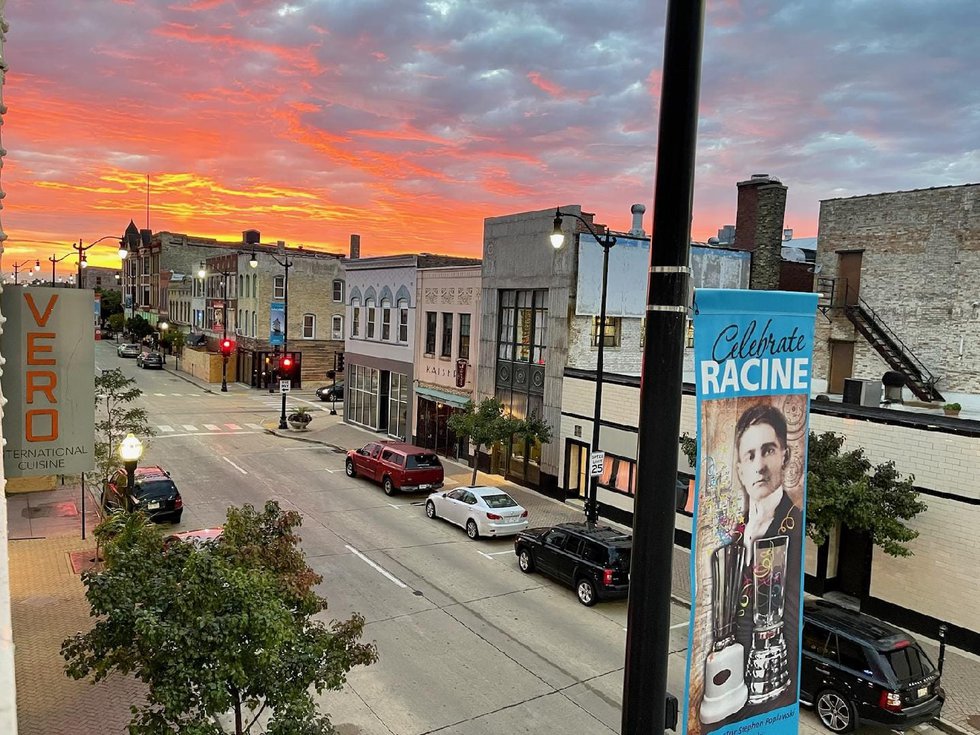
x,y
285,386
596,463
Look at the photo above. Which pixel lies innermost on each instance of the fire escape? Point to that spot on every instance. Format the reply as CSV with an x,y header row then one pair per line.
x,y
835,293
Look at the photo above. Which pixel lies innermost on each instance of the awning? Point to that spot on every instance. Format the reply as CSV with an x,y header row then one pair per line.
x,y
441,396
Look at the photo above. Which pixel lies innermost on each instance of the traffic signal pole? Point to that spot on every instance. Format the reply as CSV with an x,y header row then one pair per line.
x,y
224,334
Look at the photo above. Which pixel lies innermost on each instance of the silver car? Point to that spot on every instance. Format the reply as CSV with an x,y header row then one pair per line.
x,y
482,511
128,350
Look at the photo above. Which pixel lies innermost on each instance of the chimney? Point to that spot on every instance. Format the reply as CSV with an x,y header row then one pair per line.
x,y
787,234
759,228
280,246
251,237
637,211
355,247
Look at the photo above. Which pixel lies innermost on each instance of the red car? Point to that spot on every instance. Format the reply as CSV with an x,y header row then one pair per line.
x,y
397,466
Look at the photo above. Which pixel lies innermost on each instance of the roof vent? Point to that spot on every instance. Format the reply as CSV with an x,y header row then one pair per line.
x,y
637,211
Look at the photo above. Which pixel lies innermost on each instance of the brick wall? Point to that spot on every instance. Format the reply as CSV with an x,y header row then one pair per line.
x,y
626,358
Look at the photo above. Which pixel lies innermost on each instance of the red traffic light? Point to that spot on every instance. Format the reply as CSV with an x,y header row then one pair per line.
x,y
227,346
286,364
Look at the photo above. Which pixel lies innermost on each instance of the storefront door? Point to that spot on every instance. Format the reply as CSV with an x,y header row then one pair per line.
x,y
576,468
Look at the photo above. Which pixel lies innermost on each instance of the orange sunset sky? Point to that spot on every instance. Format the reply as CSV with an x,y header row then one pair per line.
x,y
410,121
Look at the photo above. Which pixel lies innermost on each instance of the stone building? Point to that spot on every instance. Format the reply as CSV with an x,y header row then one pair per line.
x,y
98,278
898,283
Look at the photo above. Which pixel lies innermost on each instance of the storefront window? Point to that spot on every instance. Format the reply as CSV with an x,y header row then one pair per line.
x,y
617,474
363,390
398,405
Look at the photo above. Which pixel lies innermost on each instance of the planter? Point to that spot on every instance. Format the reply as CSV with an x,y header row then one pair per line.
x,y
299,422
951,412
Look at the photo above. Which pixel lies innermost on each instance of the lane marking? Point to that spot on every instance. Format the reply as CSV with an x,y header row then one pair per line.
x,y
165,428
198,434
233,427
234,465
179,395
257,427
376,567
189,427
212,427
161,395
501,553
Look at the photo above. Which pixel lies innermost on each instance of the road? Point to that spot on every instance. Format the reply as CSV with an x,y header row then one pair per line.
x,y
469,645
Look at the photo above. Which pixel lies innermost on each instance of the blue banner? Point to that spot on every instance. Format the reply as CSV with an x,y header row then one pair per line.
x,y
277,323
753,354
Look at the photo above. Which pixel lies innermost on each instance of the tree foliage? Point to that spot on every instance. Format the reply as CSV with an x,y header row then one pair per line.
x,y
116,322
110,303
845,488
215,628
115,418
138,327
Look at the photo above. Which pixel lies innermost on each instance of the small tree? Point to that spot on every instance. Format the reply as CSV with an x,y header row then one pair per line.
x,y
110,303
115,418
225,626
139,327
847,489
117,322
482,425
177,341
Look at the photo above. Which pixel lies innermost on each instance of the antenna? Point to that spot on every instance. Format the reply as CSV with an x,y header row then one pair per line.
x,y
147,201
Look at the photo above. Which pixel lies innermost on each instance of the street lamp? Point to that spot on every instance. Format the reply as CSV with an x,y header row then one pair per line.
x,y
130,449
606,241
163,326
18,266
56,260
202,273
83,261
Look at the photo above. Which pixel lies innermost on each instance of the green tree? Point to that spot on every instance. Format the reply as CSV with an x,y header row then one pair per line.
x,y
110,303
483,425
117,322
847,489
116,416
217,628
138,327
177,341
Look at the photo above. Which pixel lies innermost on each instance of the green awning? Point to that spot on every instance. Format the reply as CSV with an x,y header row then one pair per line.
x,y
441,396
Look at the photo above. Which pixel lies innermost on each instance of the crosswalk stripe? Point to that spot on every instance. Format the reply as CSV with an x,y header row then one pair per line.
x,y
165,428
212,427
259,427
234,427
190,427
177,394
160,394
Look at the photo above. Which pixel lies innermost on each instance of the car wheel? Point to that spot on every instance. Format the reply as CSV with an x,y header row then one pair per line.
x,y
836,712
388,485
430,509
585,591
525,561
349,468
471,530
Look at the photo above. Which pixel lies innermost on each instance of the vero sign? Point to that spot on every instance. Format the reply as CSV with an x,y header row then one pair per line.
x,y
49,381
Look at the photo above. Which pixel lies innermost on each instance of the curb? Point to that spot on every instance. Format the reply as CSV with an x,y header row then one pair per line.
x,y
952,728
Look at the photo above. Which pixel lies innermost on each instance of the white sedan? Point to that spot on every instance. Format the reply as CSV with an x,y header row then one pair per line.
x,y
482,511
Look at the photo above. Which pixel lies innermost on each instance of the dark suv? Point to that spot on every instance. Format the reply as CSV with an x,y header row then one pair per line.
x,y
857,668
154,493
594,562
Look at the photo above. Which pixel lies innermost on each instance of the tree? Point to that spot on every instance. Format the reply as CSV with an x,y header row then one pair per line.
x,y
218,627
138,327
110,303
847,489
482,425
117,322
116,417
177,341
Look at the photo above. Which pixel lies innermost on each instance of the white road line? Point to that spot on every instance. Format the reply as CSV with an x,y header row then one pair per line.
x,y
200,434
234,465
165,428
161,395
390,504
376,567
501,553
482,553
179,395
233,427
257,427
189,427
212,427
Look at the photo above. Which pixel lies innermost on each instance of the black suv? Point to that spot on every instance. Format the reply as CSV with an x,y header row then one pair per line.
x,y
594,562
154,493
857,668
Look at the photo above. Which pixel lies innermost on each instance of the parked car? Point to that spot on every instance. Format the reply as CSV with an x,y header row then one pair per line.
x,y
331,392
856,668
154,493
482,511
396,465
128,349
147,360
595,562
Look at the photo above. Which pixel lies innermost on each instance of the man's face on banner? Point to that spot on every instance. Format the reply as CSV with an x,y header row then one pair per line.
x,y
760,461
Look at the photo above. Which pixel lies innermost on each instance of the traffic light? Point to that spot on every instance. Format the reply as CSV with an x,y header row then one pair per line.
x,y
286,367
340,361
227,347
331,374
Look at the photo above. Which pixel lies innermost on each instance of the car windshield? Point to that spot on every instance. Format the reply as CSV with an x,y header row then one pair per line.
x,y
156,489
422,461
909,663
499,501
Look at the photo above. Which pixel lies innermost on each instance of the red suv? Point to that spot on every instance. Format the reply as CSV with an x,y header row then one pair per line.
x,y
396,465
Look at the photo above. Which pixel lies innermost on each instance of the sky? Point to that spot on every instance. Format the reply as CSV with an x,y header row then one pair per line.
x,y
410,121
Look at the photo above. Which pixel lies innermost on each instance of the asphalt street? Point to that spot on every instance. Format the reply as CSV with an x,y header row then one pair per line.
x,y
469,645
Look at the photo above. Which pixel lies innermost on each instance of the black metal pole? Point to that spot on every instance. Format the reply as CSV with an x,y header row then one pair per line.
x,y
83,508
285,334
648,619
224,331
333,388
52,270
942,645
592,504
130,480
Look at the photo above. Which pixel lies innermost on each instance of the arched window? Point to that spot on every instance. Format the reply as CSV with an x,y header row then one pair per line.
x,y
385,320
254,324
369,308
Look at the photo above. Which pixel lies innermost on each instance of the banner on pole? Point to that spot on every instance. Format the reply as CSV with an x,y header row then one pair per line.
x,y
277,323
753,352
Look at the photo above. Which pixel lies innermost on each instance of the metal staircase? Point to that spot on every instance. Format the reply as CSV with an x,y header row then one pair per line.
x,y
892,349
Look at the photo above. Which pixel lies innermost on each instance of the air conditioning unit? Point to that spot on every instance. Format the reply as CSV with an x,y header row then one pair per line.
x,y
862,392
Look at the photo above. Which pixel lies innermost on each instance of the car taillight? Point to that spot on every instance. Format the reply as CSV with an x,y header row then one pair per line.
x,y
607,576
494,517
179,502
524,514
890,701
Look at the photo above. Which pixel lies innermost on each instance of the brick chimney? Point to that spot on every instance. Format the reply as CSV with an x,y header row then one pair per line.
x,y
759,228
355,247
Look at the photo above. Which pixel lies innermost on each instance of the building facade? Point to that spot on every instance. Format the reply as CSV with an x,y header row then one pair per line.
x,y
447,334
101,279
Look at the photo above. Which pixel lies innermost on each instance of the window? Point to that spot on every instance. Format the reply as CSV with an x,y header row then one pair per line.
x,y
398,407
610,334
362,405
464,337
279,287
254,323
617,474
355,320
337,327
403,321
430,332
815,639
338,290
385,320
309,326
523,335
369,308
689,339
851,654
447,334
